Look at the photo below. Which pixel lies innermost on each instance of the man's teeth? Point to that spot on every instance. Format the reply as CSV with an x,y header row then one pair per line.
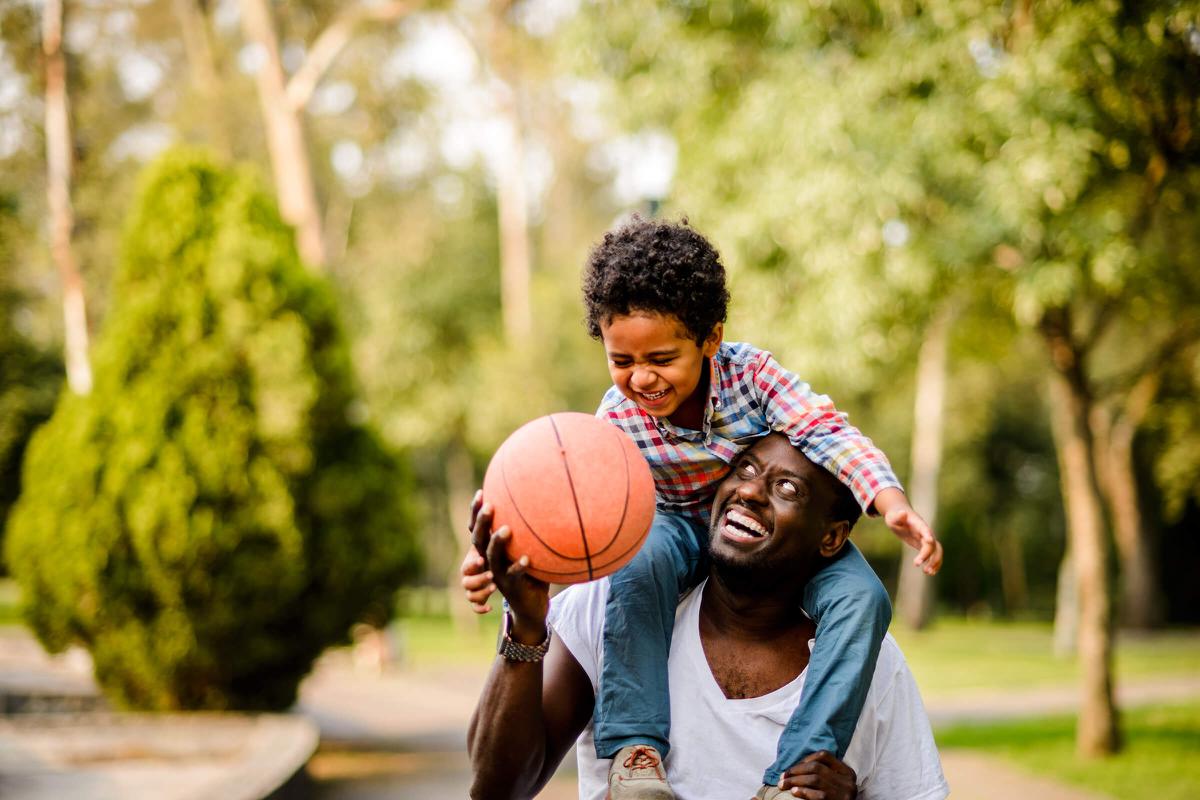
x,y
749,523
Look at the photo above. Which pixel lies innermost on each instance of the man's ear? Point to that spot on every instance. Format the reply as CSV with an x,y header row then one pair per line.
x,y
834,538
713,341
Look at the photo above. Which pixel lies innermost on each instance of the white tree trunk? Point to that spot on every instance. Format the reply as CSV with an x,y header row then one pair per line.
x,y
1096,733
512,199
915,590
59,157
286,144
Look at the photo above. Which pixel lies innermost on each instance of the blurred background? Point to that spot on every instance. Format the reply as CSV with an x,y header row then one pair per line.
x,y
277,278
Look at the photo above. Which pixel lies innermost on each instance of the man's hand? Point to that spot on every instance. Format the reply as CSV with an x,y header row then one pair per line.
x,y
528,598
821,776
911,528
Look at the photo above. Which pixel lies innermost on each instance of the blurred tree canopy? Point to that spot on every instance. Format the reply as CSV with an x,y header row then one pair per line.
x,y
219,512
863,167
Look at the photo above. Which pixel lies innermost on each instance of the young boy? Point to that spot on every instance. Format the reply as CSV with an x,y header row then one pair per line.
x,y
656,297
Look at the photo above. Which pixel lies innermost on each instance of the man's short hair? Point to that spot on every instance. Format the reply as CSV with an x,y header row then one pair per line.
x,y
659,267
845,505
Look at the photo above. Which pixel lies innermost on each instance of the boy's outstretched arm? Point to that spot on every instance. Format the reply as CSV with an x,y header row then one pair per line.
x,y
911,528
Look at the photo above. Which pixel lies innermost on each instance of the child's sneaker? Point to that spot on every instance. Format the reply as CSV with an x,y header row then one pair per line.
x,y
637,774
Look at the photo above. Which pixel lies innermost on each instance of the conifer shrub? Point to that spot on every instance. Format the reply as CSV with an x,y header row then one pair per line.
x,y
216,512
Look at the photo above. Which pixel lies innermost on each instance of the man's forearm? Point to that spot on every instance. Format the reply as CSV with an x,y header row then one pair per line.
x,y
507,736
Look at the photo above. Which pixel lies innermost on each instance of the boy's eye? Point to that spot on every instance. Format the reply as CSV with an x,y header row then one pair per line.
x,y
618,362
662,362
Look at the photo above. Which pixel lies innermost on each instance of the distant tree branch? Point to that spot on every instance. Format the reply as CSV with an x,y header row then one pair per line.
x,y
331,41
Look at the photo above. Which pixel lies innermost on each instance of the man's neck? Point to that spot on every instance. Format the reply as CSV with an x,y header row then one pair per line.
x,y
754,643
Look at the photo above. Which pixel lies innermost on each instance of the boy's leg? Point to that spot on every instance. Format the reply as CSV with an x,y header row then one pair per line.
x,y
852,612
632,705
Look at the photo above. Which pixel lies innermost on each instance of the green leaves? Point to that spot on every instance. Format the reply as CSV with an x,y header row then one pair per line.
x,y
211,517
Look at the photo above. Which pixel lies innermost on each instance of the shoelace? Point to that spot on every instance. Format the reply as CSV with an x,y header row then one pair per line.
x,y
641,758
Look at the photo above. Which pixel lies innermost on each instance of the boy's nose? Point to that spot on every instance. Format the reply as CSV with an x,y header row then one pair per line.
x,y
643,378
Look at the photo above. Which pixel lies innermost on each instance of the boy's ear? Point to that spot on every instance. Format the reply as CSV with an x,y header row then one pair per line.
x,y
714,340
834,538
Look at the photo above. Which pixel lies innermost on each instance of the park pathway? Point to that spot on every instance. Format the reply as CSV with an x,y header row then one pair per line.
x,y
401,734
423,715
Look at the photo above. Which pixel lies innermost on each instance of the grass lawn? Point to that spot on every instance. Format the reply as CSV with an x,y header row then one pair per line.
x,y
1160,762
957,655
960,655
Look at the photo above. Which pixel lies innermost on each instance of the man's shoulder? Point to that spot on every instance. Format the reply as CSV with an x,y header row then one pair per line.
x,y
888,665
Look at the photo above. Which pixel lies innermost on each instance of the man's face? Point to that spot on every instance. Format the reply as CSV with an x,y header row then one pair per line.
x,y
771,512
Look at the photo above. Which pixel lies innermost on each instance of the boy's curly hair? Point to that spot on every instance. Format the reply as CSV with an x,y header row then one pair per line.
x,y
656,266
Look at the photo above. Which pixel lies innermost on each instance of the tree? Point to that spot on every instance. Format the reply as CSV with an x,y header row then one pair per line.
x,y
282,100
1048,160
59,158
224,515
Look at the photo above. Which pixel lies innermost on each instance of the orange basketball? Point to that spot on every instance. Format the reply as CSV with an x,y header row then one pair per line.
x,y
576,493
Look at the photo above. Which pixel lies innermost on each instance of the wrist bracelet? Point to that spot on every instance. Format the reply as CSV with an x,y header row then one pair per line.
x,y
510,650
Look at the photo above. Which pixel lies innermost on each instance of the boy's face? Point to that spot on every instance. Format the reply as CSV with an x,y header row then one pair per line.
x,y
653,360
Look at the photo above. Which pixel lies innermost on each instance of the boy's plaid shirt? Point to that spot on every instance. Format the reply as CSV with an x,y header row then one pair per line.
x,y
750,395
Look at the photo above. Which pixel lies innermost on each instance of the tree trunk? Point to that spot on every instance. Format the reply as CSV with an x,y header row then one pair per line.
x,y
512,199
915,590
1141,603
202,67
286,144
1013,583
1066,601
1097,733
59,158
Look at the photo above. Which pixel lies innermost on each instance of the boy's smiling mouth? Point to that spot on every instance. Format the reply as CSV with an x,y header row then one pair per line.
x,y
654,398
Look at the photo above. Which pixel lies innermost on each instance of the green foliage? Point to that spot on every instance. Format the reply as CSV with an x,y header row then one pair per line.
x,y
215,514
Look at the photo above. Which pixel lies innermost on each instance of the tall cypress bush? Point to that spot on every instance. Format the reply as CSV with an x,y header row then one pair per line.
x,y
215,513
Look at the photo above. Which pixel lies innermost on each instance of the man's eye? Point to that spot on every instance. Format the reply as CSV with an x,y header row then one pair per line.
x,y
788,489
746,470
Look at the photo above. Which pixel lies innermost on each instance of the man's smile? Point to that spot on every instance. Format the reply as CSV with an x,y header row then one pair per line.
x,y
738,524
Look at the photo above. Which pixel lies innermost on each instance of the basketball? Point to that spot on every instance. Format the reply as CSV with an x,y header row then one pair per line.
x,y
576,493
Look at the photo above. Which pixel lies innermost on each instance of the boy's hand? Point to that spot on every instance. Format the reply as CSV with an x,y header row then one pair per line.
x,y
528,598
911,528
477,578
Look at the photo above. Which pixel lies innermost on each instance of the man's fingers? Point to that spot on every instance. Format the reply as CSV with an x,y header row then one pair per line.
x,y
476,504
497,550
481,529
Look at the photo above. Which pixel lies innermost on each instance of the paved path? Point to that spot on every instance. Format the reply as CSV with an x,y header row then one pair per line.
x,y
426,713
401,734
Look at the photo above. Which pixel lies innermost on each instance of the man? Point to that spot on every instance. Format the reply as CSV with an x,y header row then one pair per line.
x,y
737,661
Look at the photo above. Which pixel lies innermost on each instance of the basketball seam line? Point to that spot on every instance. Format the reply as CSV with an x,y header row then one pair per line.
x,y
574,498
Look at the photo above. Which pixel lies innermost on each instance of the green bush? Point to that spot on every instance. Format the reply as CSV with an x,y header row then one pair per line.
x,y
215,513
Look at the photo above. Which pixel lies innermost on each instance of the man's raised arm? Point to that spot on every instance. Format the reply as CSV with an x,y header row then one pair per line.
x,y
535,702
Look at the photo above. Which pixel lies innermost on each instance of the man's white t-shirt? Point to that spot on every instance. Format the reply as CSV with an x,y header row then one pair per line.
x,y
720,747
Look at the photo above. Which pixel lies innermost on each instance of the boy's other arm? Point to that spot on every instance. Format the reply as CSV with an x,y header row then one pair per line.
x,y
826,436
911,528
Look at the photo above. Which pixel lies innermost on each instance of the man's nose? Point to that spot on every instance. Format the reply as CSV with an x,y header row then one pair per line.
x,y
753,490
